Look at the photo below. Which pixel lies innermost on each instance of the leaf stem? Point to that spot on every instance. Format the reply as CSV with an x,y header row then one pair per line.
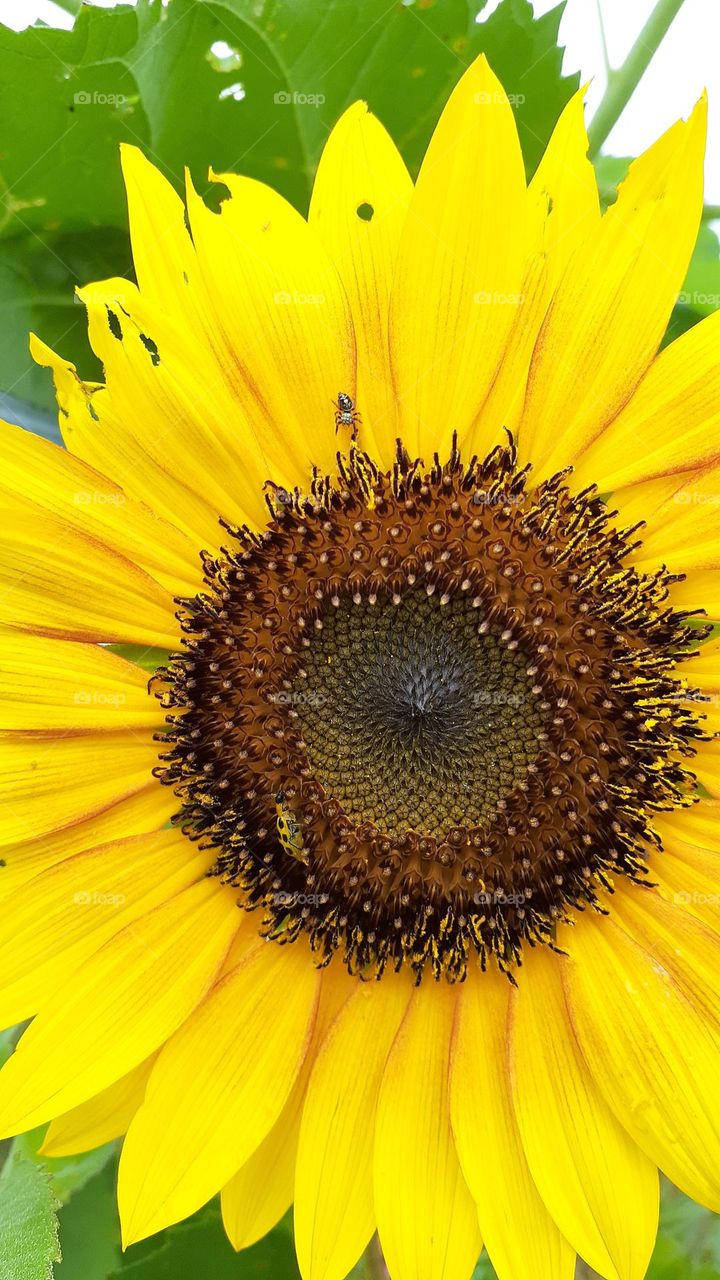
x,y
623,81
603,39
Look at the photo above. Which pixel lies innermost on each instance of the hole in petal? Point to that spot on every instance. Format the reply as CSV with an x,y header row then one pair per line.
x,y
114,324
151,347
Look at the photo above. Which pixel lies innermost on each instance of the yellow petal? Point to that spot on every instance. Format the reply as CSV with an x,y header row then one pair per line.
x,y
57,581
334,1211
704,670
682,531
146,810
191,427
262,248
689,879
521,1238
262,1190
585,1166
161,245
217,1088
677,939
102,1118
58,684
706,766
235,445
612,305
563,193
651,1047
54,782
641,502
151,429
699,590
698,826
289,346
503,406
427,1221
672,422
62,916
178,300
460,266
39,474
563,211
124,1002
359,203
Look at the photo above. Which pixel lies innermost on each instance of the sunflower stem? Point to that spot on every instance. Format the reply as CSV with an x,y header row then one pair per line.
x,y
623,81
375,1266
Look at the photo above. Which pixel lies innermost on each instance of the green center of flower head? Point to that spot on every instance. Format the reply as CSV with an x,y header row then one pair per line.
x,y
425,714
416,716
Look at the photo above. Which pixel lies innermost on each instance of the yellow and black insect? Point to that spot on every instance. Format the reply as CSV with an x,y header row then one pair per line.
x,y
289,830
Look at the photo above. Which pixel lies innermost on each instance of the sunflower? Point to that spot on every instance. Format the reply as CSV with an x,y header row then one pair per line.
x,y
393,891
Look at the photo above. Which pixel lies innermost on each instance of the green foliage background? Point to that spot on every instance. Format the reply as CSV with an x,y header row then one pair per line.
x,y
150,75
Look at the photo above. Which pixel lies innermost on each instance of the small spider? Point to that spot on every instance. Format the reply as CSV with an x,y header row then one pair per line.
x,y
346,414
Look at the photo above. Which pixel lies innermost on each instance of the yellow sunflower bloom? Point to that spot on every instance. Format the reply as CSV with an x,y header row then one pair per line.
x,y
393,894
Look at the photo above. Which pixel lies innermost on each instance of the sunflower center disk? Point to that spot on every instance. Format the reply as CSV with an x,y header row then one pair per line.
x,y
425,714
415,719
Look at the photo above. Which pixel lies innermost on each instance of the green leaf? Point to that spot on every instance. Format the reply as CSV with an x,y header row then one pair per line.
x,y
199,1247
701,290
28,1223
8,1040
67,1173
610,171
90,1230
484,1269
142,656
70,1174
37,293
228,83
688,1245
700,294
524,53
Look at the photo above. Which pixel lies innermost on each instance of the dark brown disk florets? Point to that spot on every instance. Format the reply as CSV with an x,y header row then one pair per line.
x,y
425,714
